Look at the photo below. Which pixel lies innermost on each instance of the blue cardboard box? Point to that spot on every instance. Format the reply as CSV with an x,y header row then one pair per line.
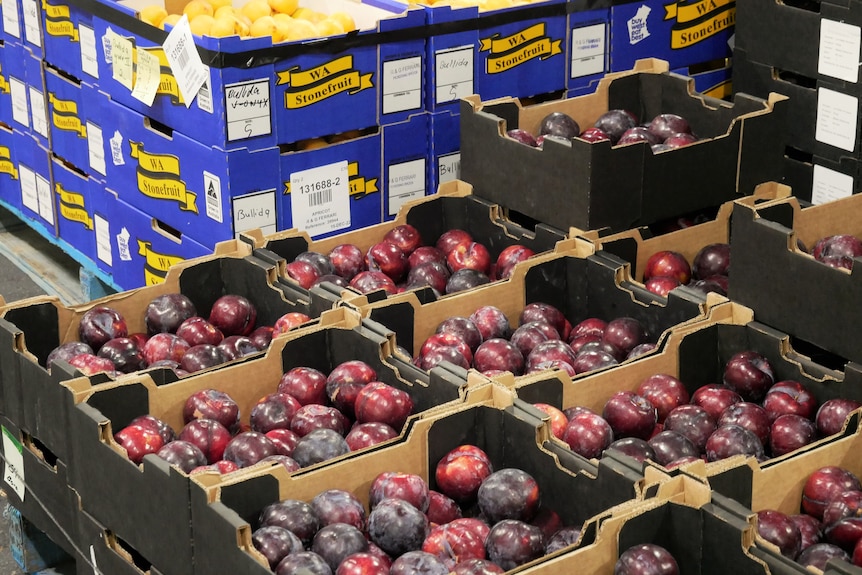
x,y
71,106
589,47
405,163
34,178
31,27
142,247
5,95
15,72
189,186
69,38
74,200
517,51
680,32
445,153
334,188
10,188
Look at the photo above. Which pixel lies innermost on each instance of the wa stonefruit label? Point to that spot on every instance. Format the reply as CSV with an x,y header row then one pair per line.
x,y
7,166
72,206
156,265
64,116
507,52
58,21
308,87
158,177
697,21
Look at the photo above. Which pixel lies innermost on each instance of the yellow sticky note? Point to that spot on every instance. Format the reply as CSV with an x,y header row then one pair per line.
x,y
147,76
122,52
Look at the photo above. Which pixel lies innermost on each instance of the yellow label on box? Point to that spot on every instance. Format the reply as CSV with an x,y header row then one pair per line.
x,y
308,87
156,265
158,177
506,52
696,21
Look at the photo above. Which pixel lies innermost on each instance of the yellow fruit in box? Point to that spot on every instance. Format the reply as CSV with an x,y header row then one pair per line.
x,y
263,26
282,18
216,4
201,25
196,8
254,9
282,28
284,6
308,14
329,27
344,136
494,4
301,30
345,19
223,11
153,15
223,27
170,20
312,144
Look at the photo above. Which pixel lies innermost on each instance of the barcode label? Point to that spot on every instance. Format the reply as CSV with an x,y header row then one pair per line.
x,y
319,198
184,60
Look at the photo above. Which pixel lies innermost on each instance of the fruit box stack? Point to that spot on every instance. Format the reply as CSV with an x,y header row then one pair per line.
x,y
148,506
225,516
621,187
453,207
808,51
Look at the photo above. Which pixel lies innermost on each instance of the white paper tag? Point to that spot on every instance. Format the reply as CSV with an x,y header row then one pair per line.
x,y
828,185
123,245
184,60
212,187
205,96
147,76
106,46
836,119
20,110
116,143
29,194
637,26
588,50
103,239
406,182
96,148
320,198
449,167
402,85
839,50
255,211
38,112
248,109
454,73
32,22
46,199
11,22
89,56
13,470
122,54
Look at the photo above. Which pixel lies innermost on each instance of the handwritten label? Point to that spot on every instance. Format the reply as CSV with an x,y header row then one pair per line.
x,y
46,199
406,182
148,73
96,148
828,185
839,50
20,110
184,60
320,199
11,23
454,73
32,22
588,50
103,239
248,109
836,119
13,471
255,211
89,56
29,194
38,112
122,51
449,167
402,85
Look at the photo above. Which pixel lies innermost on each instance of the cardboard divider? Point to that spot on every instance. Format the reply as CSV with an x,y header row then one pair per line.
x,y
225,515
33,327
576,281
147,506
696,355
775,277
623,186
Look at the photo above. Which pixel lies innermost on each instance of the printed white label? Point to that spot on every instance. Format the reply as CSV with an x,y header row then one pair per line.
x,y
123,245
406,182
13,470
11,23
248,109
29,194
20,111
402,85
116,143
320,199
454,72
147,76
184,60
255,211
588,50
205,97
96,148
836,119
39,114
46,199
637,26
103,239
212,187
32,22
449,167
839,50
89,57
122,54
829,185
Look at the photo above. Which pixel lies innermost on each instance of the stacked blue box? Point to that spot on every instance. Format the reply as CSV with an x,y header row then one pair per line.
x,y
74,199
16,77
10,190
31,27
5,95
445,149
34,177
72,105
69,39
405,163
